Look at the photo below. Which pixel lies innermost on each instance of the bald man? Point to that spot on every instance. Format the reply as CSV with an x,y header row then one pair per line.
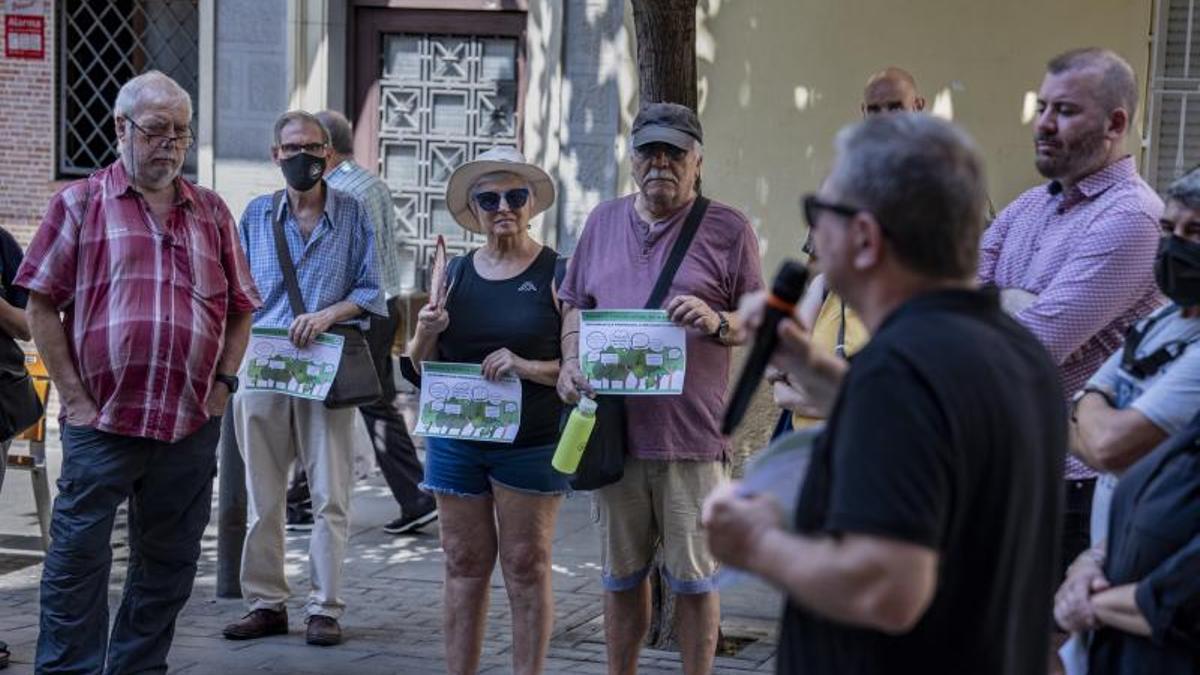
x,y
891,90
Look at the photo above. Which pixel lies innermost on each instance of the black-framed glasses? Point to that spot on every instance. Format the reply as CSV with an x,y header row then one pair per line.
x,y
159,138
490,201
814,205
651,150
293,149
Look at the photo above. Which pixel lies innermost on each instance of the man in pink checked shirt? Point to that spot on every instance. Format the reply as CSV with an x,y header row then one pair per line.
x,y
155,299
1074,258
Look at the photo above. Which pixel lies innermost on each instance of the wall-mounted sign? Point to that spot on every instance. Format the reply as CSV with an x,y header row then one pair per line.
x,y
37,7
24,36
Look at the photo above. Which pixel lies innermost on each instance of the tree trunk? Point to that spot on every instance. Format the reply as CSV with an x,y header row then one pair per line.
x,y
665,31
666,50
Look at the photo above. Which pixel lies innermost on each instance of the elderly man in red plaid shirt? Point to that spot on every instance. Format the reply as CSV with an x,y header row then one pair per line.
x,y
155,298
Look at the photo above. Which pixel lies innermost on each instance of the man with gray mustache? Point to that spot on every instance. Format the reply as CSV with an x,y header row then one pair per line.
x,y
676,453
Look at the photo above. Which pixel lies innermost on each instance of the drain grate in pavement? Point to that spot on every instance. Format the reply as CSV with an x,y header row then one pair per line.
x,y
730,645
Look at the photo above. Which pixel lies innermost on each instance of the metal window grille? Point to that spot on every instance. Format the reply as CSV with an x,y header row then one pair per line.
x,y
104,44
444,99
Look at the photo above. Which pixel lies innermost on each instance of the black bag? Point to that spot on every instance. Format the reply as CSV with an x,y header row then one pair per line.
x,y
357,381
603,461
20,406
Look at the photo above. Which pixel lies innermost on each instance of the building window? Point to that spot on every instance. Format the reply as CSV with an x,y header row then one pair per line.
x,y
1173,112
101,46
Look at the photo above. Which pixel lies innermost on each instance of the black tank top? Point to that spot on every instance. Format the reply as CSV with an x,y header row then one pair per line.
x,y
516,313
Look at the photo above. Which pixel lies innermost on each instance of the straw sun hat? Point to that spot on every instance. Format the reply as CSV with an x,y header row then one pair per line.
x,y
500,159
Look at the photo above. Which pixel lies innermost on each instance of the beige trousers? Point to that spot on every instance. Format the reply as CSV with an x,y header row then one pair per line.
x,y
272,431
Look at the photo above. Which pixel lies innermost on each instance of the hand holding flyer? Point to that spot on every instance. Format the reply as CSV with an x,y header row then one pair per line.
x,y
274,364
632,352
457,402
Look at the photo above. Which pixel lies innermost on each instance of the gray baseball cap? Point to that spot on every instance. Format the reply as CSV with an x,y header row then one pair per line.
x,y
669,123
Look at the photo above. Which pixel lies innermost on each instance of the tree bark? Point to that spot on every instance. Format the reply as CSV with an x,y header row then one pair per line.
x,y
666,50
665,32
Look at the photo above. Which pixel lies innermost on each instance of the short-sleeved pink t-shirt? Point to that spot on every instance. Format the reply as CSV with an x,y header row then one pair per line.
x,y
615,266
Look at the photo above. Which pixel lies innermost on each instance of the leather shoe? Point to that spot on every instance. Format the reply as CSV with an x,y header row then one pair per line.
x,y
323,631
257,624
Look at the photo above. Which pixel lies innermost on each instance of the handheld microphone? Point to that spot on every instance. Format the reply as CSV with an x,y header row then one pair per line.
x,y
785,292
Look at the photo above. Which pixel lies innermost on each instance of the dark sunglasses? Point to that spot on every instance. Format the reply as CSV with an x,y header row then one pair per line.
x,y
651,150
813,206
490,201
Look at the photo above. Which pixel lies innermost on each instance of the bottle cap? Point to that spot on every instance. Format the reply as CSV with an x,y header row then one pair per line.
x,y
587,406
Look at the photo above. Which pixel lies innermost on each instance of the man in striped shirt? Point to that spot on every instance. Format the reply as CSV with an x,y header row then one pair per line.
x,y
1074,258
155,296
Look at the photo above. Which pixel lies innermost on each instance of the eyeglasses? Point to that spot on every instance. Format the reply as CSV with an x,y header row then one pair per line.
x,y
293,149
651,150
159,136
813,205
490,201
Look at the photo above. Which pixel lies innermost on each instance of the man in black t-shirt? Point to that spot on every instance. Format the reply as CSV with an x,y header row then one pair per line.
x,y
927,524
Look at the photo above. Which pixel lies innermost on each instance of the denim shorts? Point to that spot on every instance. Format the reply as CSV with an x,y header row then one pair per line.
x,y
463,468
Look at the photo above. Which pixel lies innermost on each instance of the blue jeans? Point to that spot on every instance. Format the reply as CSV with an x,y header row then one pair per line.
x,y
169,488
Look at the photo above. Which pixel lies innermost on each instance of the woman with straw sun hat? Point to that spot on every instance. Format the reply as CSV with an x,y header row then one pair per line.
x,y
500,310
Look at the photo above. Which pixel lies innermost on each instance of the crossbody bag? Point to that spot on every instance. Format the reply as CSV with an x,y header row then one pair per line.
x,y
357,381
603,461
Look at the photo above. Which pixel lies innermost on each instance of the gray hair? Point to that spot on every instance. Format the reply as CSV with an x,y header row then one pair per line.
x,y
1186,189
298,116
135,91
1118,82
922,178
341,134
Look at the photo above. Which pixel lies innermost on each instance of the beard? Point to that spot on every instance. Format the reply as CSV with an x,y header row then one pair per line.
x,y
145,172
1074,158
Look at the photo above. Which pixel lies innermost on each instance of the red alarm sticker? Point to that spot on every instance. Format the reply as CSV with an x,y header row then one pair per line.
x,y
24,37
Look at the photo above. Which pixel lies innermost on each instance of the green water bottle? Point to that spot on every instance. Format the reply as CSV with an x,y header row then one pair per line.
x,y
575,436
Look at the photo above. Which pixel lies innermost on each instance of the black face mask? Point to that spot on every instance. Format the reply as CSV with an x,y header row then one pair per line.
x,y
302,170
1177,270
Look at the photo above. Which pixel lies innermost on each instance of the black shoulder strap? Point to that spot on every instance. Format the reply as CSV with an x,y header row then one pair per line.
x,y
455,268
560,270
686,235
286,266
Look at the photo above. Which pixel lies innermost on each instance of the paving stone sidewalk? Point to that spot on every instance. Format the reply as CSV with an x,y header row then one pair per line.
x,y
393,592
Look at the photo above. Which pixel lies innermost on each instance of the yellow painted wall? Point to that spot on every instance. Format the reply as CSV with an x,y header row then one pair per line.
x,y
778,78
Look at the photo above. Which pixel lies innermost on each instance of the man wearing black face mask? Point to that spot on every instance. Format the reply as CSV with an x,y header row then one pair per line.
x,y
332,247
1145,392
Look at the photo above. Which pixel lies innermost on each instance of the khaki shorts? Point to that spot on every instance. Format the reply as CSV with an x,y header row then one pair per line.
x,y
658,502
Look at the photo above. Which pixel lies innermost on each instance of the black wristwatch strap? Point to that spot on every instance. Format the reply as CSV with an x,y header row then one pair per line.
x,y
722,327
230,381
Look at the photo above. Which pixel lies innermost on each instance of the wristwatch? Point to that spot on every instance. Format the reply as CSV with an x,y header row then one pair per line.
x,y
722,330
1104,393
230,381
